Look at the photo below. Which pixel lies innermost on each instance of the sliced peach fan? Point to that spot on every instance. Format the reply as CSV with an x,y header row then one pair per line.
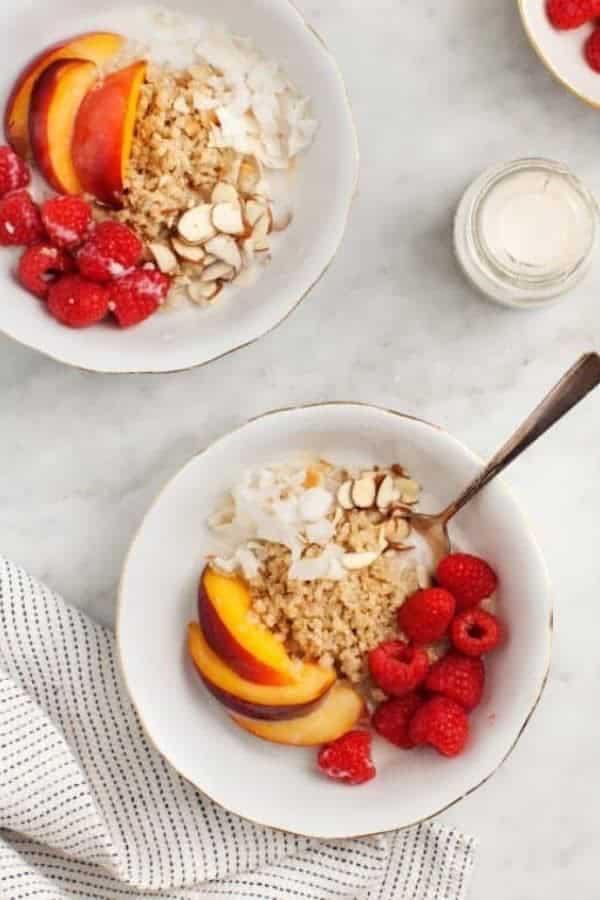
x,y
339,712
257,700
55,101
97,47
104,133
249,648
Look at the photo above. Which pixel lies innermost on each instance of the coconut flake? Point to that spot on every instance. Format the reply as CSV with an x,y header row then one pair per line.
x,y
320,532
314,504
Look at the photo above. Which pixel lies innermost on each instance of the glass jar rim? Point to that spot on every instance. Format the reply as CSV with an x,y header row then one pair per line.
x,y
520,280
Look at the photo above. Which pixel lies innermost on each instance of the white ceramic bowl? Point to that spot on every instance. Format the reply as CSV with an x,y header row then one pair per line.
x,y
322,194
561,51
279,786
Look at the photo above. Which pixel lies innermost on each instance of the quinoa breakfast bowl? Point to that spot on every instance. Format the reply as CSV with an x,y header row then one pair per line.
x,y
173,181
302,643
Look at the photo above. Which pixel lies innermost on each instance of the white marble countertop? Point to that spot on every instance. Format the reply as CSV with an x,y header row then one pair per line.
x,y
440,91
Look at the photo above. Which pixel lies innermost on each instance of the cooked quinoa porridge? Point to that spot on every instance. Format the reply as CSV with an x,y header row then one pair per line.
x,y
218,134
327,553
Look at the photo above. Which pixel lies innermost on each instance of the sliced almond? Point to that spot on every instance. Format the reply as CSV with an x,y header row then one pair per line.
x,y
260,229
223,192
262,247
247,277
187,251
196,225
227,218
204,291
386,493
216,271
363,493
247,250
225,248
249,175
253,210
164,257
359,560
409,489
208,260
281,218
396,530
344,495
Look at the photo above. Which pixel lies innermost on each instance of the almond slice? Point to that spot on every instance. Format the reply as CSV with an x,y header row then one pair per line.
x,y
226,249
344,495
216,271
386,493
223,192
227,218
409,489
208,260
249,175
204,291
196,225
260,229
281,218
164,256
246,277
262,247
359,560
253,210
396,530
363,493
188,251
233,170
247,250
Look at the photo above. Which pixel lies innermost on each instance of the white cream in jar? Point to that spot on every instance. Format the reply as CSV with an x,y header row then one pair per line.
x,y
525,232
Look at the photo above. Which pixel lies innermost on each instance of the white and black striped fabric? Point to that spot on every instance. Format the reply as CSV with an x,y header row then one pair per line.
x,y
89,810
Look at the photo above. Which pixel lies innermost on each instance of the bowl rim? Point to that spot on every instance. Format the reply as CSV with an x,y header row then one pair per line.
x,y
355,154
552,69
397,414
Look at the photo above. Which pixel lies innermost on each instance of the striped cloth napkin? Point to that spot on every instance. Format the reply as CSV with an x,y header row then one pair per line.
x,y
89,810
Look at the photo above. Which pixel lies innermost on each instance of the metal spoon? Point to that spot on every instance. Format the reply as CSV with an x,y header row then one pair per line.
x,y
573,387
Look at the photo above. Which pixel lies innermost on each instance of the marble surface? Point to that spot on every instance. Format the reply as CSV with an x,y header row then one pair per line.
x,y
439,93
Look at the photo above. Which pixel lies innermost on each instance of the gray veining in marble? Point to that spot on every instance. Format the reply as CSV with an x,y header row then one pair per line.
x,y
440,91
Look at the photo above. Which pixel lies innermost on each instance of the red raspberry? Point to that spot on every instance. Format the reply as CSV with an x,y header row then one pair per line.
x,y
461,678
348,759
591,50
475,632
40,265
566,14
426,615
112,251
136,296
443,724
397,667
14,172
392,717
77,302
20,221
67,220
468,577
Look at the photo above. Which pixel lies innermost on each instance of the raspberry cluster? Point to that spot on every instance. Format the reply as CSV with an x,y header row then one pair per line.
x,y
84,271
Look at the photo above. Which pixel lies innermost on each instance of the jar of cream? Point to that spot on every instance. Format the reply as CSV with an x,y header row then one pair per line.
x,y
525,232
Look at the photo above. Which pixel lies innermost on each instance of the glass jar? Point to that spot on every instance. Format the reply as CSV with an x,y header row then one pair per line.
x,y
525,232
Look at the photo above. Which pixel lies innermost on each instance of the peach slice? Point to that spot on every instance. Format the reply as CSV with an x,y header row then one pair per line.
x,y
248,648
104,133
257,701
96,46
339,712
55,100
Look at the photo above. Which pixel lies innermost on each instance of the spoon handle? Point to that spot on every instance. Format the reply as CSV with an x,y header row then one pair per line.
x,y
583,377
